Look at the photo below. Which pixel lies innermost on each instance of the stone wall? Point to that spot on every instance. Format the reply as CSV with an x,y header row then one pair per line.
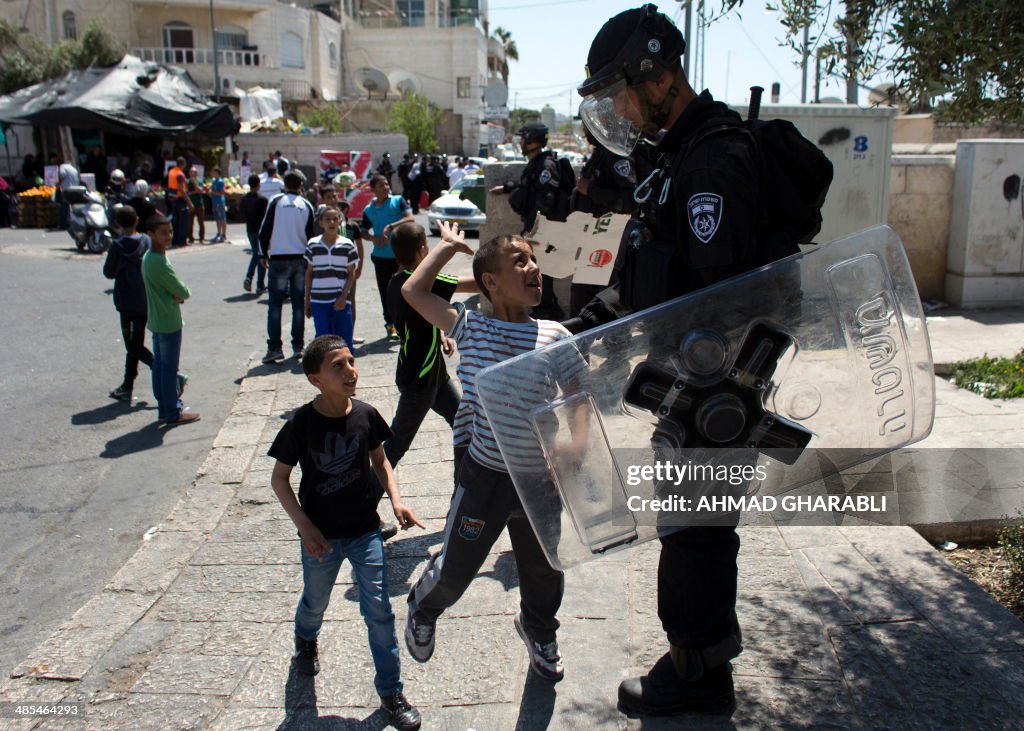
x,y
920,201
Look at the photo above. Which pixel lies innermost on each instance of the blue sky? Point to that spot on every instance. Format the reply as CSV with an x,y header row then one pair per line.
x,y
553,39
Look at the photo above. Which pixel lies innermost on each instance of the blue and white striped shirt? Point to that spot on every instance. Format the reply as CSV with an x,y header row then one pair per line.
x,y
330,267
484,341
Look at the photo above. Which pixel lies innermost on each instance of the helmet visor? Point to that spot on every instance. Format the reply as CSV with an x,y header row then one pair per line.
x,y
609,115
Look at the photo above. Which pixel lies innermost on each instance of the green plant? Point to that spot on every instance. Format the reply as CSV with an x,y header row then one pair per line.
x,y
991,377
25,60
415,117
326,115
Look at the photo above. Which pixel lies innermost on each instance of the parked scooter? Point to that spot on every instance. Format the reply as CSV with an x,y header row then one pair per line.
x,y
87,221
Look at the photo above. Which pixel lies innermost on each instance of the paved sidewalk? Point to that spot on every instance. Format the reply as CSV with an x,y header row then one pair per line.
x,y
857,627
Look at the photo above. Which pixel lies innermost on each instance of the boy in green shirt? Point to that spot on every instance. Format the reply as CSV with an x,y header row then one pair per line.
x,y
165,293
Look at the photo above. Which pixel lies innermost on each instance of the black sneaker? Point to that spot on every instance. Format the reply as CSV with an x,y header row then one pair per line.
x,y
122,394
404,715
273,356
306,657
297,354
419,639
182,382
663,693
388,531
544,659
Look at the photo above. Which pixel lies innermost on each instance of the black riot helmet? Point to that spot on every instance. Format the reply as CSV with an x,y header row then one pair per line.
x,y
652,44
534,132
633,47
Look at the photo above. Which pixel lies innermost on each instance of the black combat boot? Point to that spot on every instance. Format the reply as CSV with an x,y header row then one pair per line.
x,y
663,693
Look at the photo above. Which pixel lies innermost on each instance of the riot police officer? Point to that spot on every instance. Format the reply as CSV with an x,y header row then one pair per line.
x,y
386,168
607,182
540,190
697,227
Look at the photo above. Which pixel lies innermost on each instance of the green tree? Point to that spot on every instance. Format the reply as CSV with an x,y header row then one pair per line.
x,y
511,52
415,117
326,115
970,52
25,60
518,117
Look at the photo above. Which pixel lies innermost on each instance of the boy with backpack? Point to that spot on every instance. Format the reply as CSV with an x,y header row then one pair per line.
x,y
124,266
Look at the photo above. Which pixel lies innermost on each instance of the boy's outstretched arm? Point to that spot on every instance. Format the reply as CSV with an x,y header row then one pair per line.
x,y
312,538
406,518
417,289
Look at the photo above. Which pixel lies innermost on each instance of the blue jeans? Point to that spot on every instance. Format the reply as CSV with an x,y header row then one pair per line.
x,y
329,321
166,352
286,276
255,264
366,554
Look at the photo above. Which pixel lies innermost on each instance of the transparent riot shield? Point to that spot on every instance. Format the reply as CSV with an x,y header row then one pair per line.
x,y
705,409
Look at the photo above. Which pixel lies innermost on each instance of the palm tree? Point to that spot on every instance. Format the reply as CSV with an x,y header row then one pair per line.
x,y
511,52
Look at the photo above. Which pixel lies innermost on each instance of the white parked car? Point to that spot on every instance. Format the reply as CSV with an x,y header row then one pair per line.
x,y
462,204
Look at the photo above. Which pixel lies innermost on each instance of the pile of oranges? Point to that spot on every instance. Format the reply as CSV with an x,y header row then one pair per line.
x,y
40,191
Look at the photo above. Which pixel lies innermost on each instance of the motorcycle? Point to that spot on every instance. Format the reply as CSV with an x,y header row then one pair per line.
x,y
87,220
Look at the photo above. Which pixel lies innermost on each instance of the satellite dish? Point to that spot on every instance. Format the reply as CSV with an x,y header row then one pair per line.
x,y
882,95
496,93
371,80
404,81
832,100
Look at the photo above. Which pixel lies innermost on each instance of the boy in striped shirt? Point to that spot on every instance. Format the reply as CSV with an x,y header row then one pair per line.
x,y
331,262
485,500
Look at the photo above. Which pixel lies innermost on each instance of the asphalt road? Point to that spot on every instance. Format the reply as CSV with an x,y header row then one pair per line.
x,y
83,477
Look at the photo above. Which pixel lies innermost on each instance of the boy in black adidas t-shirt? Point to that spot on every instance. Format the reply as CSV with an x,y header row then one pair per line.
x,y
421,376
335,438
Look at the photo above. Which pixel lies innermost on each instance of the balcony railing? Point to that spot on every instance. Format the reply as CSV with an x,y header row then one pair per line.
x,y
225,56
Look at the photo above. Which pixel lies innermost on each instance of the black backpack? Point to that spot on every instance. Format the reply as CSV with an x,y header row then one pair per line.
x,y
793,174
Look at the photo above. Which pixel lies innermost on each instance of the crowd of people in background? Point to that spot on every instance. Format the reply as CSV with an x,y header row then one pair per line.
x,y
431,174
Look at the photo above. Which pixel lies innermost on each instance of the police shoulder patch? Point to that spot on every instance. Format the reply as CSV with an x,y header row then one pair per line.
x,y
545,176
623,168
704,211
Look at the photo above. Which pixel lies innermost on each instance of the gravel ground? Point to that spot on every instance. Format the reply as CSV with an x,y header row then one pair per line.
x,y
989,568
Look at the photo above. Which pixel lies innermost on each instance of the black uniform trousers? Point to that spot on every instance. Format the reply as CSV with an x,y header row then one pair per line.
x,y
697,585
484,502
384,269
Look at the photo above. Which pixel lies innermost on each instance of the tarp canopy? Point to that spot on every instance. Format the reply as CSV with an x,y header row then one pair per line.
x,y
132,98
